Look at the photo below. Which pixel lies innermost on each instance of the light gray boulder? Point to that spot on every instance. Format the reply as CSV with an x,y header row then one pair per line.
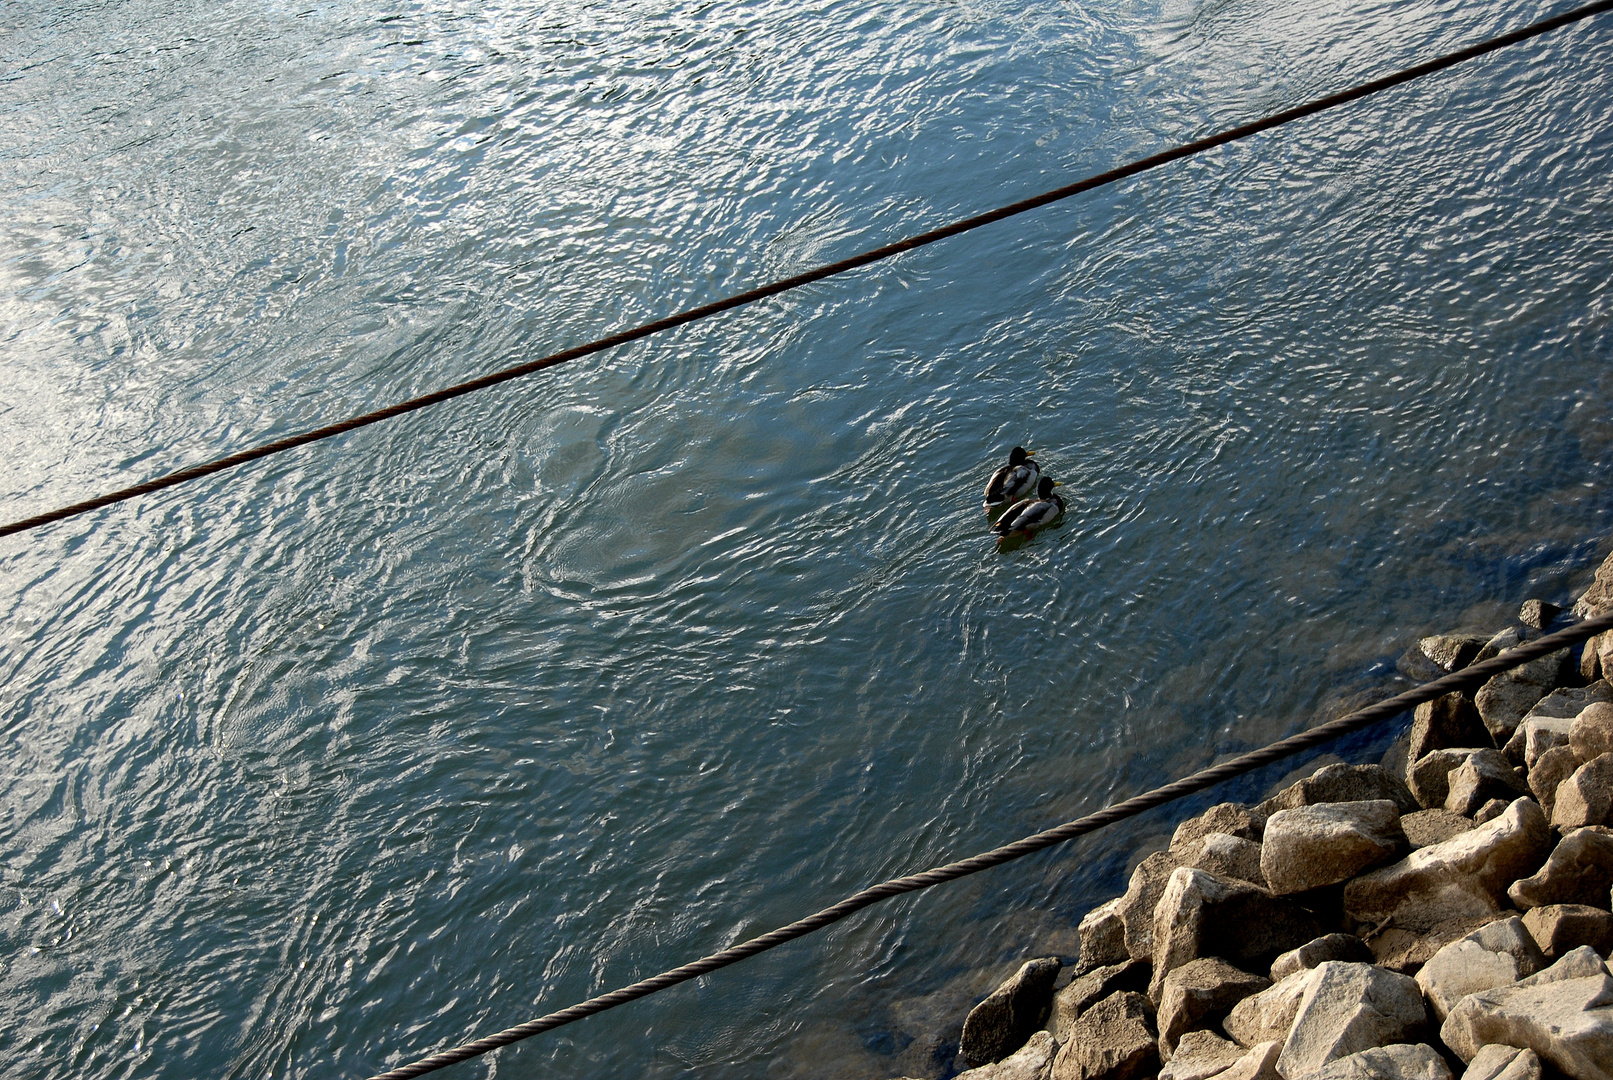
x,y
1538,613
1086,990
1483,776
1503,701
1200,1055
1497,1062
1269,1014
1429,777
1399,1061
1136,907
1260,1063
1591,734
1103,936
1033,1061
1536,735
1495,955
1233,819
1444,723
1561,928
1230,856
1452,652
1465,876
1586,797
1326,843
1002,1023
1348,1008
1309,955
1197,995
1491,810
1547,774
1341,783
1406,951
1564,1014
1509,638
1579,871
1428,827
1205,914
1113,1040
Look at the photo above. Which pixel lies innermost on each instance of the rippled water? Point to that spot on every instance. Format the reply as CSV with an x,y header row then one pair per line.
x,y
382,744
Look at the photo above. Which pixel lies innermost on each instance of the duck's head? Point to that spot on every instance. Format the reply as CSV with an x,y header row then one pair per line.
x,y
1045,488
1018,454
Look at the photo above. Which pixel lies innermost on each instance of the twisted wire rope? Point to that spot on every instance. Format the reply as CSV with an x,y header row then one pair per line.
x,y
774,288
1466,679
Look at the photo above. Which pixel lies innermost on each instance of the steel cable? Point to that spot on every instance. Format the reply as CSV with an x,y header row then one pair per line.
x,y
1467,679
704,311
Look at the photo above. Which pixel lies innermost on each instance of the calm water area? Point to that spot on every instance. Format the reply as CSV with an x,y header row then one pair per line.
x,y
356,753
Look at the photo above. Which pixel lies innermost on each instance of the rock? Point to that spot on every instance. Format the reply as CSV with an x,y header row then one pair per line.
x,y
1495,1062
1205,914
1591,733
1260,1063
1326,843
1586,797
1536,735
1599,597
1103,936
1485,775
1503,701
1596,659
1428,827
1561,928
1547,774
1000,1024
1510,637
1564,1014
1087,990
1464,876
1232,819
1198,994
1429,778
1029,1062
1230,856
1331,947
1446,723
1401,1061
1200,1055
1136,907
1268,1014
1579,871
1495,955
1569,701
1452,652
1341,784
1406,951
1348,1008
1538,613
1113,1040
1490,811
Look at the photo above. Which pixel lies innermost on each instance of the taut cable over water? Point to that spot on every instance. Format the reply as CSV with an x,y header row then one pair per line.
x,y
782,285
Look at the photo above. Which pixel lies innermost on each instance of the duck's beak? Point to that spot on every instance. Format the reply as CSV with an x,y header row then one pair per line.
x,y
1058,483
1030,453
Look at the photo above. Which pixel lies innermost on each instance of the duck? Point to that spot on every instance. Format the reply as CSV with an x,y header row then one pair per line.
x,y
1028,515
1013,481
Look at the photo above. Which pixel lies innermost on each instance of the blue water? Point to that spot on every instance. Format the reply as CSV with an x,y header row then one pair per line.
x,y
356,753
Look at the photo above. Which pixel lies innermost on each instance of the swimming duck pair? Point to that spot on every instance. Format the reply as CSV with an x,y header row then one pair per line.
x,y
1011,487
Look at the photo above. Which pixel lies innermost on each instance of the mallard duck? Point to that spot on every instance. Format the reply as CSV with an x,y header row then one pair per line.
x,y
1028,515
1013,481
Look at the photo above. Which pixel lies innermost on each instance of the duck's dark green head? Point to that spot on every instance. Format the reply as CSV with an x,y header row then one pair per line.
x,y
1018,454
1044,490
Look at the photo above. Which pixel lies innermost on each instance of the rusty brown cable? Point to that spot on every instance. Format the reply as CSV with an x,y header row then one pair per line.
x,y
703,311
1468,678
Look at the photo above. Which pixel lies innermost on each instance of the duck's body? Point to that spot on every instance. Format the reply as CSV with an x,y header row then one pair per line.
x,y
1028,515
1013,481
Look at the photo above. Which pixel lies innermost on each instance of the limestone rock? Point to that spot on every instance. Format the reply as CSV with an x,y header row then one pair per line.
x,y
1029,1062
1406,951
1560,928
1586,797
1564,1014
1490,811
1001,1023
1497,1062
1503,701
1538,613
1495,955
1331,947
1464,876
1269,1014
1579,871
1483,776
1599,597
1136,907
1428,827
1198,994
1536,735
1205,914
1596,660
1326,843
1547,774
1510,637
1113,1040
1260,1063
1103,936
1344,783
1348,1008
1200,1055
1231,856
1232,819
1087,990
1446,723
1429,778
1591,733
1400,1061
1452,652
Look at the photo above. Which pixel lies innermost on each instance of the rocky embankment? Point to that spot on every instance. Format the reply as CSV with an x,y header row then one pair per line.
x,y
1361,924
